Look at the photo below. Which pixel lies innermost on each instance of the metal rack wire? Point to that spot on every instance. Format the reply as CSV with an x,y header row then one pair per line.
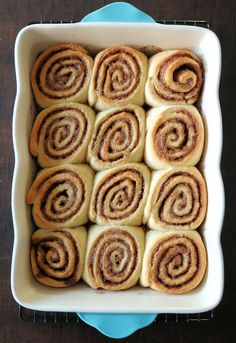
x,y
199,23
66,317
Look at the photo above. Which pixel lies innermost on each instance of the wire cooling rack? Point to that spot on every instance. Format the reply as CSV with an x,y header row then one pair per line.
x,y
67,317
200,23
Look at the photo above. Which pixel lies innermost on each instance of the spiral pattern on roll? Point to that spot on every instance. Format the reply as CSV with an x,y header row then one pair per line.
x,y
177,77
61,133
174,139
177,264
178,137
113,259
61,73
64,197
118,73
60,196
55,258
181,201
120,194
118,137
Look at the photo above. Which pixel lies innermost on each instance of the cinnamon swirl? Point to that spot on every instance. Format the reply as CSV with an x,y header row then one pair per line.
x,y
174,77
118,78
175,136
177,199
61,73
174,262
114,257
118,137
57,256
119,195
61,134
60,196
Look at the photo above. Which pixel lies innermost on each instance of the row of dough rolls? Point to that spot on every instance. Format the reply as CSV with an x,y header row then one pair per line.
x,y
119,75
69,195
71,133
116,258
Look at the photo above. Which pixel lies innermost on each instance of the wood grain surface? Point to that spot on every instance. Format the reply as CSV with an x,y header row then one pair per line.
x,y
14,15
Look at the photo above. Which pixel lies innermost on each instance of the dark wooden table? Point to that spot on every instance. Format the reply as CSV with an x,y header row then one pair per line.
x,y
221,15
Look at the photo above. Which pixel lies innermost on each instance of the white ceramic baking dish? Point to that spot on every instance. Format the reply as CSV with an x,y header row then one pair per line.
x,y
26,290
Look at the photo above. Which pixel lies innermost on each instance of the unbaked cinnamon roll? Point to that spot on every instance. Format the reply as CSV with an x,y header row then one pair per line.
x,y
61,73
174,77
114,256
120,194
61,134
174,262
60,196
175,136
118,137
57,256
118,78
177,199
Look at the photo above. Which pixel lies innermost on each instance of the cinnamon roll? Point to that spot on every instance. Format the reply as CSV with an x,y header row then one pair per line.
x,y
174,262
118,137
114,257
60,196
118,78
61,73
119,195
177,199
61,134
57,256
175,136
174,77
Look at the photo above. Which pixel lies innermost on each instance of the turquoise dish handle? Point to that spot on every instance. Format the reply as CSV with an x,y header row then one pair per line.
x,y
118,12
116,325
